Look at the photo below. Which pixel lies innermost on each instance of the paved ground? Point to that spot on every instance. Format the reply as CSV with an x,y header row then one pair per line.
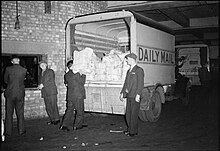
x,y
179,128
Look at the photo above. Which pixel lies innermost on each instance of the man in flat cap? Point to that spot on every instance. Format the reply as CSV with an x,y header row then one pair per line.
x,y
14,94
49,93
74,114
132,88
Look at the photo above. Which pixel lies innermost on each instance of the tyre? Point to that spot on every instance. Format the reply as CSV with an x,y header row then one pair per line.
x,y
152,113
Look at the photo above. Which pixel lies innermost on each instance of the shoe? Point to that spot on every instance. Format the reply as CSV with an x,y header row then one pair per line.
x,y
22,133
126,132
78,128
50,123
56,122
75,128
64,128
131,135
84,125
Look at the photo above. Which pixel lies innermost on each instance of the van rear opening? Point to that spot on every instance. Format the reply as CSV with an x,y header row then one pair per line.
x,y
99,48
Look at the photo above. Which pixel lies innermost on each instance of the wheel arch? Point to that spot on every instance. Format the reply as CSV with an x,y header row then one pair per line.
x,y
160,89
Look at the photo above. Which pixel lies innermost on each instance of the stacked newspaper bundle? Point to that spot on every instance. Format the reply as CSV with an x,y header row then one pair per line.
x,y
83,62
111,67
114,63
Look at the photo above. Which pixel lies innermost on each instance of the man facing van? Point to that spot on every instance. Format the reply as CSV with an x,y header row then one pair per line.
x,y
132,88
74,114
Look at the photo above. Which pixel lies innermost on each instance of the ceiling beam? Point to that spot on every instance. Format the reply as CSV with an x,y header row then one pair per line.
x,y
208,42
199,35
189,30
175,15
188,38
151,5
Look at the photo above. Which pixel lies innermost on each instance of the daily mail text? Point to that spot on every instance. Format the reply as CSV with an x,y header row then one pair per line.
x,y
150,55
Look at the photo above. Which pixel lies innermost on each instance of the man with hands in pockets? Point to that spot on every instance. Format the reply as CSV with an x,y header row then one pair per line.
x,y
49,93
131,91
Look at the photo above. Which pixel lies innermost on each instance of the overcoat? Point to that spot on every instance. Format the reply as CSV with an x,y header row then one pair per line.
x,y
134,82
75,85
48,81
14,78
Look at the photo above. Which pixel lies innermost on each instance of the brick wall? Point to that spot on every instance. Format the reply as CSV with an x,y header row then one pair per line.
x,y
44,34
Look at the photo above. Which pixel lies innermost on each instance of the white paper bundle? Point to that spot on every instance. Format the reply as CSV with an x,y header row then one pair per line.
x,y
111,68
82,60
100,71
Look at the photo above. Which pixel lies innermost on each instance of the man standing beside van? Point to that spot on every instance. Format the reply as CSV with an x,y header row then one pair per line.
x,y
205,78
132,88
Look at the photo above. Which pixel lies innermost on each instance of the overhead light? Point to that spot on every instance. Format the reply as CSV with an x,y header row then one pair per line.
x,y
17,23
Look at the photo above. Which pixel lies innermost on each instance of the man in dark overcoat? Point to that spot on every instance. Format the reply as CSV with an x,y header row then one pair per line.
x,y
205,80
49,93
132,88
14,94
74,80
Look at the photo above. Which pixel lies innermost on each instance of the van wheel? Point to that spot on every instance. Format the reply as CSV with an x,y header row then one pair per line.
x,y
153,113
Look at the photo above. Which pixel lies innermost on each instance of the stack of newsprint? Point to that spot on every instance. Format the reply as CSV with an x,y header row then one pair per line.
x,y
110,68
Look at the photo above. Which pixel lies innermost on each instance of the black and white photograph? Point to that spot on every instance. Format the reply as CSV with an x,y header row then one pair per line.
x,y
110,76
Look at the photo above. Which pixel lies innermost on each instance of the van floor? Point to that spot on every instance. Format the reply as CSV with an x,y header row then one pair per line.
x,y
192,127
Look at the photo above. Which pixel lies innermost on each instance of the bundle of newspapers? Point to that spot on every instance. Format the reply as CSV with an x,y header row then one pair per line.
x,y
111,67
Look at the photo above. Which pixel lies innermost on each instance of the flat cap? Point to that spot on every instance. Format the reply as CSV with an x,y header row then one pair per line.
x,y
69,63
42,61
131,55
14,56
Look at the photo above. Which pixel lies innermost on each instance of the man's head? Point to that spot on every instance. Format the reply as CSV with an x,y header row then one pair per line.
x,y
131,58
205,64
69,64
43,65
15,59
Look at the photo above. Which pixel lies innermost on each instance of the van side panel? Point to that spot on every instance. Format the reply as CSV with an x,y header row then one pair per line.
x,y
156,55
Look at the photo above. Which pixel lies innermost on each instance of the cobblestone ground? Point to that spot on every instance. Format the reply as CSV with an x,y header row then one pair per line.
x,y
194,127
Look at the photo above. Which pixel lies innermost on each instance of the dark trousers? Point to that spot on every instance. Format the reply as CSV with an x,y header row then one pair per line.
x,y
132,110
205,92
18,105
74,114
51,107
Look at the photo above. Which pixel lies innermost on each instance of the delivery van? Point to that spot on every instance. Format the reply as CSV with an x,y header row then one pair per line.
x,y
98,43
195,55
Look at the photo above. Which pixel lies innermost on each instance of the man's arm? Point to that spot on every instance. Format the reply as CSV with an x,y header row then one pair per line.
x,y
140,82
65,81
123,91
6,76
82,79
